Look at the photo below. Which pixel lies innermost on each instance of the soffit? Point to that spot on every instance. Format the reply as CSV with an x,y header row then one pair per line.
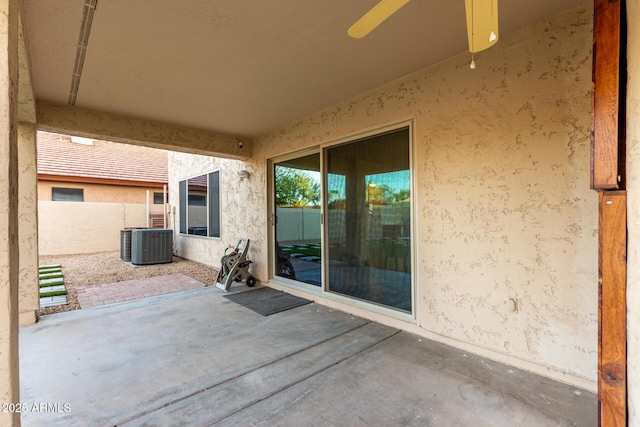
x,y
243,67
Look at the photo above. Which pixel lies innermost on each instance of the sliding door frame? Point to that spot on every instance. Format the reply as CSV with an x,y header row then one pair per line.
x,y
273,277
322,291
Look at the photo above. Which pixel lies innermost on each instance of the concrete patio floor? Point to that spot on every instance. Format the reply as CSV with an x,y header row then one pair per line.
x,y
194,358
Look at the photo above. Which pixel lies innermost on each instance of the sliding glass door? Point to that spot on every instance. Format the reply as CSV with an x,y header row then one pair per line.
x,y
369,220
366,222
297,196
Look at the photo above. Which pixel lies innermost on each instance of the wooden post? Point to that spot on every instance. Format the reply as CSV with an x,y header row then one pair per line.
x,y
608,158
612,325
607,146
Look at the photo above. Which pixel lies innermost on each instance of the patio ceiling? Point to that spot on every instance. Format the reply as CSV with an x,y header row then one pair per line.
x,y
242,67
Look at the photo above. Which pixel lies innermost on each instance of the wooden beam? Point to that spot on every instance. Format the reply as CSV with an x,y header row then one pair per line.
x,y
101,125
607,154
612,309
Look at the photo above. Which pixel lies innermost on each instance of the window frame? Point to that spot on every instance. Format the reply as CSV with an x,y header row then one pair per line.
x,y
158,198
323,292
212,204
71,192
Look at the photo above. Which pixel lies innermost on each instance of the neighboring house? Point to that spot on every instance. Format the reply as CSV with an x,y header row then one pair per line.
x,y
89,190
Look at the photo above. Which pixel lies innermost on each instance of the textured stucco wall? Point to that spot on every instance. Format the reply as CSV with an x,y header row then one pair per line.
x,y
633,214
72,120
82,228
103,193
502,203
243,209
9,250
29,298
26,96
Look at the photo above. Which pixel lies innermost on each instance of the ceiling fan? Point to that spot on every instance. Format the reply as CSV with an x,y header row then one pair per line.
x,y
482,22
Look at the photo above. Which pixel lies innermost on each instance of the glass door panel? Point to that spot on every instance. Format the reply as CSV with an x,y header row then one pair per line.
x,y
297,194
368,220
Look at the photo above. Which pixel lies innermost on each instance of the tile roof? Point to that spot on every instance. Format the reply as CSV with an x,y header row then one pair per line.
x,y
58,155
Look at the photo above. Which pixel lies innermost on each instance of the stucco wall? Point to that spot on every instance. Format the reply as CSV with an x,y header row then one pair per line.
x,y
103,193
242,214
9,248
93,225
502,205
29,297
81,228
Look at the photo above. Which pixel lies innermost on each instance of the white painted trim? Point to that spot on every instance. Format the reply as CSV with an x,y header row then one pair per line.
x,y
372,131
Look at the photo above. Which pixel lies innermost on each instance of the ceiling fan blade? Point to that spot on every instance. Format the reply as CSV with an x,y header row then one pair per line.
x,y
482,24
378,14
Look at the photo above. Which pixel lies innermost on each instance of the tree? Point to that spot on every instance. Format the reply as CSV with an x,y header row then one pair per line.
x,y
383,194
295,188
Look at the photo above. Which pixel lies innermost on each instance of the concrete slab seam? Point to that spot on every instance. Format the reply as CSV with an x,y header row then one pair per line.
x,y
304,378
257,368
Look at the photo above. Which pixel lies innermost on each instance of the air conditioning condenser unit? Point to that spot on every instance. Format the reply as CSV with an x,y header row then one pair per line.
x,y
151,246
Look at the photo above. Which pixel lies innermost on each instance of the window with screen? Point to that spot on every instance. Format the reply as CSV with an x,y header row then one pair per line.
x,y
200,205
59,194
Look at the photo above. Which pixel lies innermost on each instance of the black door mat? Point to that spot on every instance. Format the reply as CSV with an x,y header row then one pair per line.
x,y
267,301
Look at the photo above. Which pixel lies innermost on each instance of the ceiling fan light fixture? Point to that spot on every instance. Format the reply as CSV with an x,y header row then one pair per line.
x,y
482,24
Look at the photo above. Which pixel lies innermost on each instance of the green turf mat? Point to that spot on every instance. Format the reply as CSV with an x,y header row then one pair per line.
x,y
51,282
53,275
51,270
53,293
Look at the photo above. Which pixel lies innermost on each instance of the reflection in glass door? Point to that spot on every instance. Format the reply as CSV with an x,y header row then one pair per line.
x,y
369,218
297,195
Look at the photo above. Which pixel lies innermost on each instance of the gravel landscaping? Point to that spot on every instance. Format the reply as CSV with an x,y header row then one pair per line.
x,y
107,267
